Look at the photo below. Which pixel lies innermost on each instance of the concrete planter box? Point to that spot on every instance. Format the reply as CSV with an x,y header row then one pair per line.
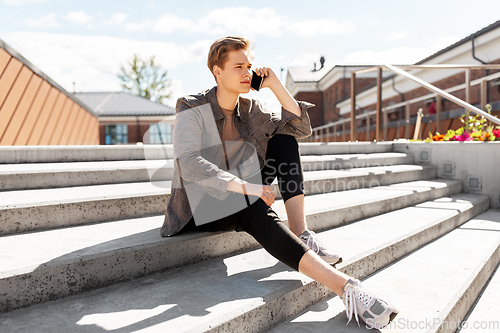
x,y
475,163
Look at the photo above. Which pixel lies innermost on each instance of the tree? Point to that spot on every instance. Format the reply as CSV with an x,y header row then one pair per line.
x,y
145,78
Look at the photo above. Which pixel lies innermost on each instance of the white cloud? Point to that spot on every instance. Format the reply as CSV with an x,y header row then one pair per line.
x,y
78,17
394,36
45,22
442,42
176,90
306,59
239,21
21,2
136,26
321,27
116,19
399,55
93,61
170,23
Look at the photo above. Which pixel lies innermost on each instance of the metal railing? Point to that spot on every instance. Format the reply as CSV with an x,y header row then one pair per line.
x,y
381,113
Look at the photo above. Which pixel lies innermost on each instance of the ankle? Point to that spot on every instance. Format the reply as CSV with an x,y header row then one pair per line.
x,y
297,231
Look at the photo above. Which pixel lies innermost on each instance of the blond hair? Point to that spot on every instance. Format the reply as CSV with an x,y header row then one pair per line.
x,y
217,55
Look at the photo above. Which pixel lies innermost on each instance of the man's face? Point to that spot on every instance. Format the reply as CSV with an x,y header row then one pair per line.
x,y
237,72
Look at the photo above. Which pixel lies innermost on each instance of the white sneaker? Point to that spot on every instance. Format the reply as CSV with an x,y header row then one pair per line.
x,y
374,311
313,242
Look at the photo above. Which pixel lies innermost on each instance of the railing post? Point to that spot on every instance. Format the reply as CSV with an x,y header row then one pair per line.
x,y
484,93
467,94
438,113
353,107
384,115
335,133
343,132
368,128
379,104
407,120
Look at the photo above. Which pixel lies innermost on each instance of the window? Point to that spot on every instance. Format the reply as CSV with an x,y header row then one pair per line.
x,y
116,134
163,136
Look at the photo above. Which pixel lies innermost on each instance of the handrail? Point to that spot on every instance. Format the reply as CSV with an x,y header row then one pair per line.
x,y
445,94
448,66
436,91
448,90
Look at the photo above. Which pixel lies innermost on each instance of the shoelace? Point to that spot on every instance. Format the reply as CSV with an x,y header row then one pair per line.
x,y
350,296
313,242
350,306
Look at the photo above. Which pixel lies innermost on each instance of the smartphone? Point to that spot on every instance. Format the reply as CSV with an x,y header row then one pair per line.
x,y
256,81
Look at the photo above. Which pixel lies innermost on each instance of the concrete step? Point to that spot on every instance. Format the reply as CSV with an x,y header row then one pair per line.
x,y
66,174
324,181
326,148
350,161
483,317
57,154
68,260
56,175
26,210
433,287
249,292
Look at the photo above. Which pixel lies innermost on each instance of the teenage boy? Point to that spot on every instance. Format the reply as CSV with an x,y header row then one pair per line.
x,y
218,139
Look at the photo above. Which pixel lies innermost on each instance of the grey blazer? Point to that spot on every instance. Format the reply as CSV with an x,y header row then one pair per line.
x,y
198,149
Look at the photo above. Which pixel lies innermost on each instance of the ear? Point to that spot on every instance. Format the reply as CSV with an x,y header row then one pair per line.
x,y
217,70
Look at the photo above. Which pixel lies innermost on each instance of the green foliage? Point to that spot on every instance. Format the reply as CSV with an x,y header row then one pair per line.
x,y
145,78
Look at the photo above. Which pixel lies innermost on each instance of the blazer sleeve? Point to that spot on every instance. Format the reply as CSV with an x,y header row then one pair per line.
x,y
291,124
187,144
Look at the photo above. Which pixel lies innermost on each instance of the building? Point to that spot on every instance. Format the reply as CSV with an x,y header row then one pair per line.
x,y
125,118
35,110
330,88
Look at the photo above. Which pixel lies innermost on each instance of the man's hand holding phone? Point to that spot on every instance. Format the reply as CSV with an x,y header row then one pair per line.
x,y
263,77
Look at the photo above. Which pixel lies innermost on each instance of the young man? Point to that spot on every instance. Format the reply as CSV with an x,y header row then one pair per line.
x,y
228,152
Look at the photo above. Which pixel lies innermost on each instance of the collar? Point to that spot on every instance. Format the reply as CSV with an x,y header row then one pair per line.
x,y
218,115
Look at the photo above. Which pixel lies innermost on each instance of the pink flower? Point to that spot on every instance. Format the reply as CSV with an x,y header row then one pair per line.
x,y
462,137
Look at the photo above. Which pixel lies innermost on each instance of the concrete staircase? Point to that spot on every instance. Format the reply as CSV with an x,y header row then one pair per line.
x,y
80,249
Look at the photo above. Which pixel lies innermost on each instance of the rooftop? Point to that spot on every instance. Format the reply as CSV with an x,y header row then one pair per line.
x,y
122,104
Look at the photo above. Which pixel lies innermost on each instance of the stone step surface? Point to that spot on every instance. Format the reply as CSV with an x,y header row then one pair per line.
x,y
65,174
28,210
68,260
433,287
56,154
350,161
70,174
326,148
483,316
249,292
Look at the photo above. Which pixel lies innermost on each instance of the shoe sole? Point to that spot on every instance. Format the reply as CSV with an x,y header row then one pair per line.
x,y
391,318
335,263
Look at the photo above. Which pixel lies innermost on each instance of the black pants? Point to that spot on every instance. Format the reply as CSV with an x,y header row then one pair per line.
x,y
258,219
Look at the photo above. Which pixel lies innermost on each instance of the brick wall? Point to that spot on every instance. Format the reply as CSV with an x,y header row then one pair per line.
x,y
325,110
316,112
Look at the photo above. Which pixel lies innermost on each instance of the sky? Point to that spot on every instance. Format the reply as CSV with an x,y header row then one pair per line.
x,y
86,42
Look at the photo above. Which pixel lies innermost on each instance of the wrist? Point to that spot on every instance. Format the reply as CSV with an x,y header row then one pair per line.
x,y
275,85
